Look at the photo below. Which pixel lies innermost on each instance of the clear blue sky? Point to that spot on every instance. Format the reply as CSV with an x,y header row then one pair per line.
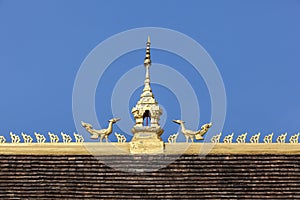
x,y
255,44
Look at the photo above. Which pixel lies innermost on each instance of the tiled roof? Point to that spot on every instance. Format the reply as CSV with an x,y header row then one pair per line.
x,y
215,176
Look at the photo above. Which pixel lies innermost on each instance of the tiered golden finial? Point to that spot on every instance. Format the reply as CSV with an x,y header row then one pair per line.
x,y
147,106
147,112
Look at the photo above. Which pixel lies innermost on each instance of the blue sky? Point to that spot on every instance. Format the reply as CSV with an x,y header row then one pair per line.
x,y
255,44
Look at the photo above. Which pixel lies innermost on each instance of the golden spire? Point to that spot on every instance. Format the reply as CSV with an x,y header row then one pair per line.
x,y
147,63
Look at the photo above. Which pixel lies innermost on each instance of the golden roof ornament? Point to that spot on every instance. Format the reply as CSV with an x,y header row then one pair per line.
x,y
147,112
103,133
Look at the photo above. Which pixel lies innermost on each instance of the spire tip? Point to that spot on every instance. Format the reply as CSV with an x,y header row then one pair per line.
x,y
147,60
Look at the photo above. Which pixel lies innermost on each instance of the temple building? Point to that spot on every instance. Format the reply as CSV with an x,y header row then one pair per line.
x,y
67,167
